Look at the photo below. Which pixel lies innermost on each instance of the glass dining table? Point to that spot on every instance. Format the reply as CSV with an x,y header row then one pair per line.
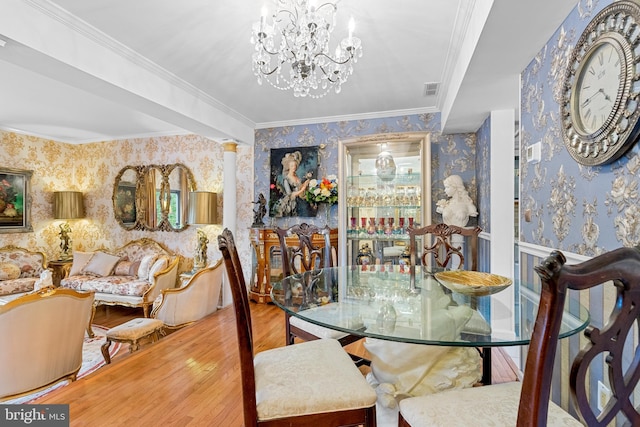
x,y
383,303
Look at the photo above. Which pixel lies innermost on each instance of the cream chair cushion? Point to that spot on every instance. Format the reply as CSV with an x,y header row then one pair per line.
x,y
494,405
319,373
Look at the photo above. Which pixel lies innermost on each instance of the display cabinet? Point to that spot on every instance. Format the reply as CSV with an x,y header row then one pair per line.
x,y
385,187
267,260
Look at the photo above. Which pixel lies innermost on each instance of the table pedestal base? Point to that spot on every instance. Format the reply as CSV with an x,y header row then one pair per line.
x,y
401,370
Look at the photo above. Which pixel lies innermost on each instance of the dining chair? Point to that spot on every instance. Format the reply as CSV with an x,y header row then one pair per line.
x,y
311,383
441,247
527,403
305,256
438,247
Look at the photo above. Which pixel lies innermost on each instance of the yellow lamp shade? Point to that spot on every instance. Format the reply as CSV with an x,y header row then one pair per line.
x,y
68,205
203,207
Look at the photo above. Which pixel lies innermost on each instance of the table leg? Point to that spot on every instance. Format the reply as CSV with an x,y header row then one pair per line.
x,y
486,365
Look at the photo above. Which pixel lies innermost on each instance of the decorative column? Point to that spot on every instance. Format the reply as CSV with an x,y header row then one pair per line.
x,y
229,205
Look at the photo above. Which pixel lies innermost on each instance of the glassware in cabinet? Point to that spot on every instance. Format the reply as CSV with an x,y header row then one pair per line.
x,y
379,199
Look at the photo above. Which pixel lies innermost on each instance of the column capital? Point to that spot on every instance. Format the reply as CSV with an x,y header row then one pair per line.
x,y
230,146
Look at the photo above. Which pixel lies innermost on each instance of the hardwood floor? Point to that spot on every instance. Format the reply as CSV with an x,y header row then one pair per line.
x,y
189,378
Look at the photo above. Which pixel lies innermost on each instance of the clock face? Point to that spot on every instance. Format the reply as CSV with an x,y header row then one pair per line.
x,y
597,87
600,106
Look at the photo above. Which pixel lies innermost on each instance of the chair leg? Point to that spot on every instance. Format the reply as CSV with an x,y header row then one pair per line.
x,y
402,422
289,338
370,417
105,351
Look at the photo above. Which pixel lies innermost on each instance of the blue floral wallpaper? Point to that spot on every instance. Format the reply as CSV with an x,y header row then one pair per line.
x,y
564,205
450,154
483,171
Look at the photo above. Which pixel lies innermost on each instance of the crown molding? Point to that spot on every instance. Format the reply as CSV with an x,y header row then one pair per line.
x,y
347,117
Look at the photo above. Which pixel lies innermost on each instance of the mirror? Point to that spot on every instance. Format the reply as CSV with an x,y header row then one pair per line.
x,y
153,197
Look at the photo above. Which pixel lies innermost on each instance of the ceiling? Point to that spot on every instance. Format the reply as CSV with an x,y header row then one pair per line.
x,y
83,71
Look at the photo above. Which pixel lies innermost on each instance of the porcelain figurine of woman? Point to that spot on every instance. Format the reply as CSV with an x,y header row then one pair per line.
x,y
459,207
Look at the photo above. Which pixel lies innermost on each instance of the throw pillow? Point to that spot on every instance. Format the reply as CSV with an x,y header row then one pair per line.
x,y
80,259
145,265
9,271
160,264
134,268
101,264
123,268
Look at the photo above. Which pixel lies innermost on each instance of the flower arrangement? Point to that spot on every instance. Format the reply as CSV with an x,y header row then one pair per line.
x,y
322,191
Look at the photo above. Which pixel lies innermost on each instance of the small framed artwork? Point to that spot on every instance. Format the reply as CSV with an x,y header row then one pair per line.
x,y
15,215
125,205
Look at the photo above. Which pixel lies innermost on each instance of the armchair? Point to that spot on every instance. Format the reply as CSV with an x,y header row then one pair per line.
x,y
178,307
41,336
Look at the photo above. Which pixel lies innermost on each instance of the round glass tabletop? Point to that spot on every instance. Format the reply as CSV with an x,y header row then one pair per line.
x,y
384,303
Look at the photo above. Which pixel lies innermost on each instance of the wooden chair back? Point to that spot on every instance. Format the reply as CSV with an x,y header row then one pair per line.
x,y
305,256
610,343
440,246
227,247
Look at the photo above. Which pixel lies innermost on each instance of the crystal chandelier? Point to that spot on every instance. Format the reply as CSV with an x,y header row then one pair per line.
x,y
292,51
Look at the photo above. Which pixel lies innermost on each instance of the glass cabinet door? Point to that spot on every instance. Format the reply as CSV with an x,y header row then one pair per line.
x,y
383,193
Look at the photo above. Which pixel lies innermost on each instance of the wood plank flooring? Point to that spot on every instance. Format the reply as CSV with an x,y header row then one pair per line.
x,y
189,378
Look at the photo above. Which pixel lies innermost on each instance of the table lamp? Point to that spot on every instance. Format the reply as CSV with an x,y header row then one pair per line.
x,y
67,205
202,211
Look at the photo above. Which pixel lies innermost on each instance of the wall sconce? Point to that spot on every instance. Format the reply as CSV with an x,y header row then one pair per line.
x,y
67,205
203,207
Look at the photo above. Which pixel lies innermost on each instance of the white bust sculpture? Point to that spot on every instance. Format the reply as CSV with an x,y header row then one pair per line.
x,y
458,209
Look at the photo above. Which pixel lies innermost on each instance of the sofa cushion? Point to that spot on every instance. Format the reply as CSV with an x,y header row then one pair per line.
x,y
117,285
159,265
145,265
101,264
15,286
9,271
123,268
80,259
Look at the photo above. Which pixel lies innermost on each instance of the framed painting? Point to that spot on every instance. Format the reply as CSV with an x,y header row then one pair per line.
x,y
125,205
15,215
291,171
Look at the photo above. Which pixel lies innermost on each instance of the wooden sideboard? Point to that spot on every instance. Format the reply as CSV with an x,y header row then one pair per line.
x,y
267,263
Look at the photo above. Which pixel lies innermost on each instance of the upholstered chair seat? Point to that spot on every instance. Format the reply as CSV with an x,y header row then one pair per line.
x,y
474,406
312,377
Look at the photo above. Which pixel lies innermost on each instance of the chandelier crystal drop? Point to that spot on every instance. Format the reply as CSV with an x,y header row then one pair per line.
x,y
292,50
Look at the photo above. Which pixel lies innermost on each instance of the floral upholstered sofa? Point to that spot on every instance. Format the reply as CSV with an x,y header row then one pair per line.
x,y
19,270
132,275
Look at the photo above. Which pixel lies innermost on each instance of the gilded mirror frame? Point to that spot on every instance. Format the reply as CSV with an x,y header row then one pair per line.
x,y
152,193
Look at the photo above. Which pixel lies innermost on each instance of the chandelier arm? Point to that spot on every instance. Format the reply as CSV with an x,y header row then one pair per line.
x,y
329,75
267,50
333,60
335,8
294,16
272,71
